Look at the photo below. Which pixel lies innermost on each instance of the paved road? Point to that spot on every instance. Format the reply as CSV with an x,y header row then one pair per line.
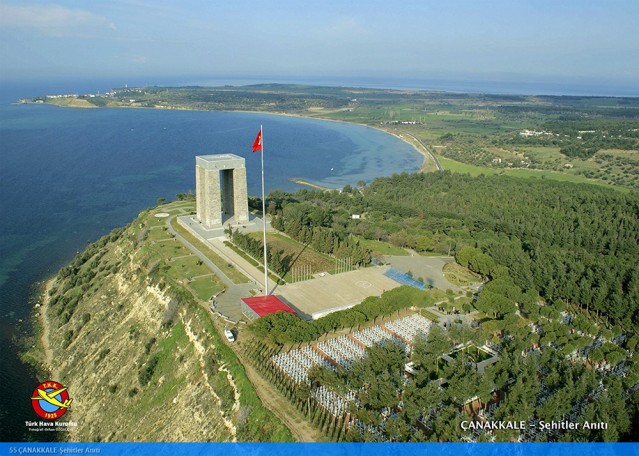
x,y
432,156
228,282
231,256
271,398
228,303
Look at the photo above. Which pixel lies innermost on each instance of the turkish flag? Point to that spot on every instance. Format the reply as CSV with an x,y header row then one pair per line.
x,y
257,144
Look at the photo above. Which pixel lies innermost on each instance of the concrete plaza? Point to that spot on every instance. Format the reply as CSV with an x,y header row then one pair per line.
x,y
328,293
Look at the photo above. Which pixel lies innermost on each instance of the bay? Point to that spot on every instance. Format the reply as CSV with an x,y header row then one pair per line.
x,y
69,176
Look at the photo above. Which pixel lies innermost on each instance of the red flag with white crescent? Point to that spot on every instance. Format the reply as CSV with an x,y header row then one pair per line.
x,y
257,144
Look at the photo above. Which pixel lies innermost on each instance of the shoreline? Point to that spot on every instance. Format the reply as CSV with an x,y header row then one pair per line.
x,y
299,181
45,329
426,155
420,148
417,146
40,355
41,330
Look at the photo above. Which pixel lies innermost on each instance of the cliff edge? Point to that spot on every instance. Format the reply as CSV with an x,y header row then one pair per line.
x,y
139,352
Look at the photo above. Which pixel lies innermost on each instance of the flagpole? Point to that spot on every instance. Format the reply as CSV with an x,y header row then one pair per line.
x,y
264,214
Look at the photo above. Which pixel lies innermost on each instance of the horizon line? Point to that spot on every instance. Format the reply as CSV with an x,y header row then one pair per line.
x,y
557,87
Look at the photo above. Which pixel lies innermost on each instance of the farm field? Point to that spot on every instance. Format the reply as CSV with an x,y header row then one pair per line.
x,y
474,170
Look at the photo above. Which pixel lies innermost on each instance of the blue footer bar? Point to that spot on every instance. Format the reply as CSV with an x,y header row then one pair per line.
x,y
320,449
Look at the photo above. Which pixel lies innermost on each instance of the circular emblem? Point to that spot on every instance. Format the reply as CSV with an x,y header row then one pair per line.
x,y
50,400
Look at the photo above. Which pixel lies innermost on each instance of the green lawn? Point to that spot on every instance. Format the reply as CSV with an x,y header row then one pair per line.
x,y
473,170
172,206
459,275
205,287
170,249
431,316
381,247
227,268
187,267
292,241
158,233
151,220
542,153
252,261
437,294
299,254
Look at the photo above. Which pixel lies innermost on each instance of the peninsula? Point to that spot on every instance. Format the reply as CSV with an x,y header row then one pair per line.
x,y
576,139
412,305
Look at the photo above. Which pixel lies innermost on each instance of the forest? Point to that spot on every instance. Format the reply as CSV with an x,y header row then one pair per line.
x,y
556,241
560,304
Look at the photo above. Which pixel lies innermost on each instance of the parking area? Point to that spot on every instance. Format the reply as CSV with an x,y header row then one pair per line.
x,y
429,268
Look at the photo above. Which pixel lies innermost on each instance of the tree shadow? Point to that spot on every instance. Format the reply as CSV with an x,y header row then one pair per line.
x,y
289,260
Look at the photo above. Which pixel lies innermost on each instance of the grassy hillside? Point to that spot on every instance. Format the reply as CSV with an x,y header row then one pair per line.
x,y
123,328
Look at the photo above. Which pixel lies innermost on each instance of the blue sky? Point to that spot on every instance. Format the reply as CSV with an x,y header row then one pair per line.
x,y
545,40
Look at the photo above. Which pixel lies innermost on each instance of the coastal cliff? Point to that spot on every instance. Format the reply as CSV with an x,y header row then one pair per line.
x,y
140,355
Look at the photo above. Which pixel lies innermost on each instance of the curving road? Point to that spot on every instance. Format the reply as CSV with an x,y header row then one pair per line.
x,y
432,156
228,303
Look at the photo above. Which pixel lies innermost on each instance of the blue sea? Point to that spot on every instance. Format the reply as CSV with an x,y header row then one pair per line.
x,y
69,176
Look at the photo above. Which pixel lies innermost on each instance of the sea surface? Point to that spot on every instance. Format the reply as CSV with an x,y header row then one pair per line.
x,y
69,176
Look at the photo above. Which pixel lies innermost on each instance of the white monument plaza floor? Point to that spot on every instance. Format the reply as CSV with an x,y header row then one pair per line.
x,y
322,295
191,221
